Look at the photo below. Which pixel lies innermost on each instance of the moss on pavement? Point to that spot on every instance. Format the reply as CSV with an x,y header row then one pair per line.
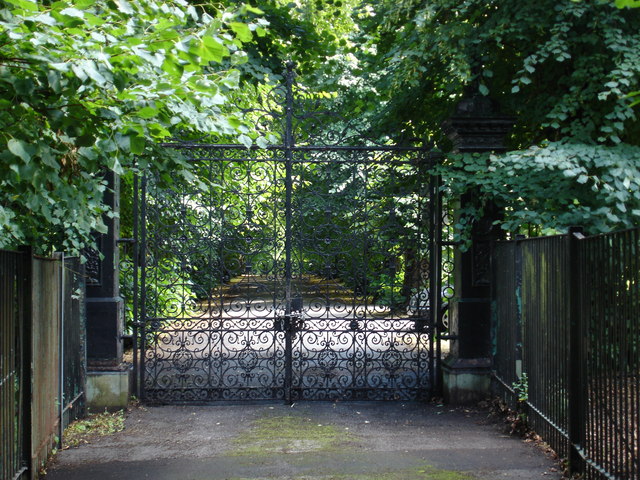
x,y
424,473
290,434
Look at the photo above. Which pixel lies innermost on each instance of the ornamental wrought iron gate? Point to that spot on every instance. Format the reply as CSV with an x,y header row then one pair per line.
x,y
292,270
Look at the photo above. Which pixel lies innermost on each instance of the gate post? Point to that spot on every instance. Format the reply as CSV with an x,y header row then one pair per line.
x,y
107,377
474,128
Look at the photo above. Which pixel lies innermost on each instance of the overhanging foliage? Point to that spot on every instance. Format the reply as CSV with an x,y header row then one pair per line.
x,y
564,69
551,187
87,85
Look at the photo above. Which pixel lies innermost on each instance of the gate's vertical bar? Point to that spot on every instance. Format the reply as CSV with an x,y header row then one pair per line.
x,y
135,253
288,147
576,384
143,285
435,294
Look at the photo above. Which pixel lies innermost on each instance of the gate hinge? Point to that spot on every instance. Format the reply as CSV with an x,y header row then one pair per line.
x,y
449,337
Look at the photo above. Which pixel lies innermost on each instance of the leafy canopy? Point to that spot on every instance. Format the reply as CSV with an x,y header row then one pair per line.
x,y
87,85
313,34
564,69
545,189
568,71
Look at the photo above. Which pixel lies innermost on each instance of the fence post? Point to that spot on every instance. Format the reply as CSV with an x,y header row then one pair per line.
x,y
61,352
576,370
26,315
518,330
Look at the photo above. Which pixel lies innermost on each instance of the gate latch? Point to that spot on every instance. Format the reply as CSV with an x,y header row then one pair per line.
x,y
288,323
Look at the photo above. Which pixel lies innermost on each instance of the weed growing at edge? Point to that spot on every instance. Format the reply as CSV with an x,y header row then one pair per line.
x,y
82,431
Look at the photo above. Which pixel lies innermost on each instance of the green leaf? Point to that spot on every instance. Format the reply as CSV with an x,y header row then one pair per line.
x,y
147,112
116,166
79,72
262,142
46,19
137,144
72,12
628,3
125,7
234,122
60,66
21,149
213,50
242,31
172,66
92,72
53,77
245,140
94,20
483,89
25,5
158,131
255,10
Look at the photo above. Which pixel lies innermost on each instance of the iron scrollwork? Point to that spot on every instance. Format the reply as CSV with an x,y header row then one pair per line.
x,y
290,276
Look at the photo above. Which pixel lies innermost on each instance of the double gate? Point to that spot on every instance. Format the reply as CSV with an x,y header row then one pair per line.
x,y
296,270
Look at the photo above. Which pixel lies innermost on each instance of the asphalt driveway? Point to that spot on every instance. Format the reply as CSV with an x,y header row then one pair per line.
x,y
310,441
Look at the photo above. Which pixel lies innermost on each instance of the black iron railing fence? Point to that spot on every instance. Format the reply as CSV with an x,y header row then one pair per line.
x,y
13,367
73,340
42,357
566,312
